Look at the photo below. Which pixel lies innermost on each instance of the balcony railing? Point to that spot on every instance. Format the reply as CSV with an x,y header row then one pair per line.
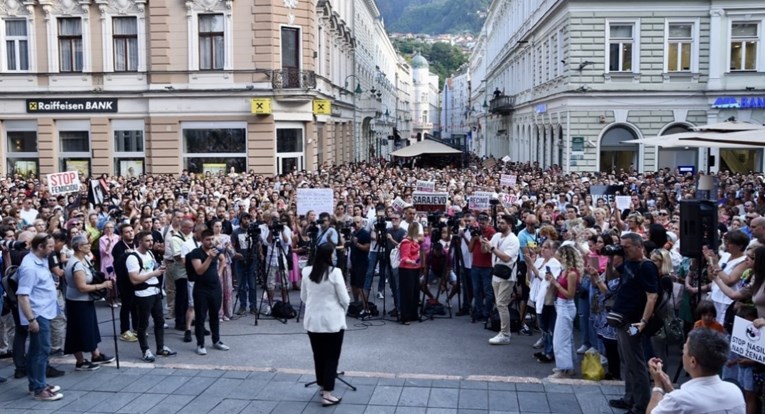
x,y
502,105
293,79
422,125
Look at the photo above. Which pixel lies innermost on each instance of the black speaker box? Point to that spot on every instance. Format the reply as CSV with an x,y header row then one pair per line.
x,y
698,227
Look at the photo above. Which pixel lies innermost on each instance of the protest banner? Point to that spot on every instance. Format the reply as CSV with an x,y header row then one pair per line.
x,y
398,205
623,202
508,199
428,202
747,340
425,186
506,159
320,200
507,180
606,192
479,200
63,182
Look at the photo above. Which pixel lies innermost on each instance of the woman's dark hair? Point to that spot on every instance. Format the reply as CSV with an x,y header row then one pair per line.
x,y
705,307
737,238
322,262
658,235
759,269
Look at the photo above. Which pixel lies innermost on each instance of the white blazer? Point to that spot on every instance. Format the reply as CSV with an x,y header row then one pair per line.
x,y
326,303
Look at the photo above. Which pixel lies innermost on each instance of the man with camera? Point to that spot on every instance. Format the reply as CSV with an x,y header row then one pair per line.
x,y
360,243
482,266
467,262
273,236
394,235
504,248
633,307
376,225
207,291
144,273
246,262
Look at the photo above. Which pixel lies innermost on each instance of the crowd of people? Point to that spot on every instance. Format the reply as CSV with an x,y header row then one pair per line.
x,y
186,248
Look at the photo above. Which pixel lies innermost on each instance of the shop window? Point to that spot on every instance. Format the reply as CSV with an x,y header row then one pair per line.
x,y
21,141
128,147
213,148
74,146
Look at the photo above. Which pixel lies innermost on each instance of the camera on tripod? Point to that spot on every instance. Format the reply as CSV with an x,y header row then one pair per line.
x,y
434,218
346,232
381,224
253,230
313,229
613,250
12,245
454,223
276,227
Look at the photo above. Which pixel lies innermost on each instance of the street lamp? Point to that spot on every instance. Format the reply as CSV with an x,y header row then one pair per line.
x,y
358,89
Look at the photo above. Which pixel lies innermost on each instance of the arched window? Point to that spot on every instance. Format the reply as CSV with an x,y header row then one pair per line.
x,y
614,154
675,157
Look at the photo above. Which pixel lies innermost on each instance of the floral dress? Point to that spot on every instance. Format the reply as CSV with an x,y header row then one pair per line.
x,y
223,243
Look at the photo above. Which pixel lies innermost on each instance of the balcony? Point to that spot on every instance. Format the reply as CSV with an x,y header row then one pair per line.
x,y
293,79
422,125
502,105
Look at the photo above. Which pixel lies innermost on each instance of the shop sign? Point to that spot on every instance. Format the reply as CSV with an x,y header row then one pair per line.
x,y
322,107
577,144
541,108
752,102
71,105
260,106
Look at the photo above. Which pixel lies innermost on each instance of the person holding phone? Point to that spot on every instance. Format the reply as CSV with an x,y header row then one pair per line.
x,y
564,287
207,291
543,296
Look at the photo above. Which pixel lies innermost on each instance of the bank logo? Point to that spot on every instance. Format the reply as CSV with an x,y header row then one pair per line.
x,y
32,106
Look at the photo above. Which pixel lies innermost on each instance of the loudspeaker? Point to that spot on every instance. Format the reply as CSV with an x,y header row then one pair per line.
x,y
698,227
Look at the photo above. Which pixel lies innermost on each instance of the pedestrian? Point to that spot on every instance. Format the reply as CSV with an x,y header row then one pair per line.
x,y
326,301
207,291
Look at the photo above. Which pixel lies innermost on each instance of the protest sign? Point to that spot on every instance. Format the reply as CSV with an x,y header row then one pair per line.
x,y
64,182
606,192
425,186
506,159
747,340
320,200
623,202
480,200
508,199
427,202
507,180
398,204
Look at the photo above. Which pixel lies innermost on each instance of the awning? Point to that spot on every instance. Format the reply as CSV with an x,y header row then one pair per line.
x,y
425,147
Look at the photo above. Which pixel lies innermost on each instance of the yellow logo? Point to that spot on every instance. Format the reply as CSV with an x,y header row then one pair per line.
x,y
322,107
33,106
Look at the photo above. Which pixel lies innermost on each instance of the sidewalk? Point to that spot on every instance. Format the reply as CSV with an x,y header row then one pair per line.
x,y
142,388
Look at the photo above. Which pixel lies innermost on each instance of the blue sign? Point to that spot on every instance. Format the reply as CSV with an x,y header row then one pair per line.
x,y
685,169
752,102
541,108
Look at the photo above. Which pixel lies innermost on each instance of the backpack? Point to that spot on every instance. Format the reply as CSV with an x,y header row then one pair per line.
x,y
10,283
493,323
283,310
123,277
395,258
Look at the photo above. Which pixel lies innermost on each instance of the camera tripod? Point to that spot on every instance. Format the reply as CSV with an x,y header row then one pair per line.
x,y
280,255
382,261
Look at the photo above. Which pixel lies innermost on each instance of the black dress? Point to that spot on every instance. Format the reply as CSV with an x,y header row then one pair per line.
x,y
82,334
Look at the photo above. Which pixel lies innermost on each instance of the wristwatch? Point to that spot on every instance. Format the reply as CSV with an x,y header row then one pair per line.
x,y
492,248
659,390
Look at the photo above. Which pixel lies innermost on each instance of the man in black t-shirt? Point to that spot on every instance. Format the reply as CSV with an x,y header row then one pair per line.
x,y
207,291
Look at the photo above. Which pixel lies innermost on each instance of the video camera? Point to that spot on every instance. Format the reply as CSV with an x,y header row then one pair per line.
x,y
454,223
276,227
381,224
313,229
613,250
13,245
253,230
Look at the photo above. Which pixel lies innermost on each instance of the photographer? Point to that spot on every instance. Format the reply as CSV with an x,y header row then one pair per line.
x,y
274,257
327,233
144,273
482,267
394,235
247,261
634,302
375,226
467,262
360,243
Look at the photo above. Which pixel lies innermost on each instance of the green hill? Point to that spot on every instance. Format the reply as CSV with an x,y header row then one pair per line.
x,y
433,16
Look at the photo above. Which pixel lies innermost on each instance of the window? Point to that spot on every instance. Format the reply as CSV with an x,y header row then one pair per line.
x,y
424,117
74,141
620,47
74,145
21,141
125,37
128,141
16,45
70,44
679,47
743,46
214,147
211,44
291,57
289,150
128,147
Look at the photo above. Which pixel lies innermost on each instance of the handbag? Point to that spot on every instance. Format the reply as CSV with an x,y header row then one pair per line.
x,y
395,258
501,271
98,278
592,369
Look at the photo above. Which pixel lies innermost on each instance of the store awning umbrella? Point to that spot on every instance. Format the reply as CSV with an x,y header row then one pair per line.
x,y
730,126
686,140
750,139
425,147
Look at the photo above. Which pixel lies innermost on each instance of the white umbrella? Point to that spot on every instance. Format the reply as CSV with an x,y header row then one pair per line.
x,y
729,126
750,139
696,141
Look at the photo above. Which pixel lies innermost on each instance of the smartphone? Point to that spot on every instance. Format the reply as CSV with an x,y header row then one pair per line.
x,y
594,263
633,330
547,268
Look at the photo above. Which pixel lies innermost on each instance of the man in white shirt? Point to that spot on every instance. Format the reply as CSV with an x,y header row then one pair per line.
x,y
704,355
504,247
28,213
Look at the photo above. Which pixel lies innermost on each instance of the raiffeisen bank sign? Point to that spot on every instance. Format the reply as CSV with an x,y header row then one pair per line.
x,y
71,105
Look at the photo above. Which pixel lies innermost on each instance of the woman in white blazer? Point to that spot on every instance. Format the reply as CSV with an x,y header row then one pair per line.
x,y
326,302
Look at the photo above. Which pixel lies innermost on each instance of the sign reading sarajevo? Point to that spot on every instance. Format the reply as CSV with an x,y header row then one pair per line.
x,y
64,182
71,105
427,202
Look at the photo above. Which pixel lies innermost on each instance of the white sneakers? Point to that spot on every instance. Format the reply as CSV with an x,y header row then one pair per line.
x,y
221,346
201,350
582,349
500,339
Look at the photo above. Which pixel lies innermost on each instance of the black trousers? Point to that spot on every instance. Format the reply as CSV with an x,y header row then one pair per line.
x,y
21,333
207,301
326,355
127,311
150,306
612,354
409,288
181,302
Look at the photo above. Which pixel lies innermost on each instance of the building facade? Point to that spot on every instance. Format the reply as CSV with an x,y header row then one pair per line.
x,y
577,78
455,106
111,86
425,105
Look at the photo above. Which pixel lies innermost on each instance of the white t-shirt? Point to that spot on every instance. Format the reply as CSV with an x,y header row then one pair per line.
x,y
538,296
704,395
509,245
148,267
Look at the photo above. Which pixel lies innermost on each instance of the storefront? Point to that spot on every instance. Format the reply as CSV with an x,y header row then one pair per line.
x,y
739,108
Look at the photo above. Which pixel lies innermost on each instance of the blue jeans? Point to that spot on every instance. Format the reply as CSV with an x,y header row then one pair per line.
x,y
482,291
245,276
37,356
563,334
547,326
371,272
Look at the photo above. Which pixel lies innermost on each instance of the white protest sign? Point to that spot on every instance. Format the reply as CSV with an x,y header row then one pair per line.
x,y
748,341
398,205
480,200
507,180
64,182
426,202
506,159
320,200
623,202
425,186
